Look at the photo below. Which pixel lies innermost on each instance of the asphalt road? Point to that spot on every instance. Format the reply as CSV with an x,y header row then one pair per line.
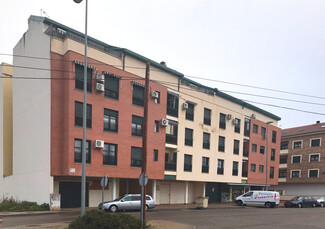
x,y
223,218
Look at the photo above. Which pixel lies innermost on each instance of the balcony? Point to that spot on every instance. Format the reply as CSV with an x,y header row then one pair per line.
x,y
284,151
283,166
171,139
172,111
170,166
244,173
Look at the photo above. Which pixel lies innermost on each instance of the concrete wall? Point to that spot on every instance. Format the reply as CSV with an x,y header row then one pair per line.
x,y
31,115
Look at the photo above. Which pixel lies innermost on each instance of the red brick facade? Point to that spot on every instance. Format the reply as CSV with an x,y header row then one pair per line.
x,y
260,159
63,129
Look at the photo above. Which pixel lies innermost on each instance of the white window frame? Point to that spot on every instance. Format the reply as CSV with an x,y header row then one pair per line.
x,y
296,156
314,169
320,142
314,154
295,170
302,144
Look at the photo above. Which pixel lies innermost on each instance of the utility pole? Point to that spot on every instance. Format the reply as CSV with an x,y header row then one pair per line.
x,y
145,138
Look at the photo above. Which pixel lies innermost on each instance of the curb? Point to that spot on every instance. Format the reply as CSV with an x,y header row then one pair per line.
x,y
9,214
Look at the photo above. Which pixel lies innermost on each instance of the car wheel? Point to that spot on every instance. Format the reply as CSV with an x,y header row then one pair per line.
x,y
268,205
314,205
240,203
113,208
322,204
147,207
299,205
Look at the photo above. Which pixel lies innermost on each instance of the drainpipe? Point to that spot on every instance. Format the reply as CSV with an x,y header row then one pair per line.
x,y
179,82
124,55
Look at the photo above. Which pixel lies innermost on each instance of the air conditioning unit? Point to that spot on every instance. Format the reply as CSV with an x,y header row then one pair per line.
x,y
99,144
185,106
235,121
155,94
164,122
100,78
253,115
229,116
100,87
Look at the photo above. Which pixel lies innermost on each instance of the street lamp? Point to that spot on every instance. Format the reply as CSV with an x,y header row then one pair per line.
x,y
84,115
266,154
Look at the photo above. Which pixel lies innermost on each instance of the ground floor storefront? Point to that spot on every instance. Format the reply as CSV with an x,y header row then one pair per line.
x,y
287,191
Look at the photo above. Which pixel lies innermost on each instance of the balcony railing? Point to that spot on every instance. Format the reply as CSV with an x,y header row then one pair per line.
x,y
189,142
172,111
170,166
244,173
188,168
205,169
171,139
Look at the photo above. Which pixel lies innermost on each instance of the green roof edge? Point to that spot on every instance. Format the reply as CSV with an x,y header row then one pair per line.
x,y
155,64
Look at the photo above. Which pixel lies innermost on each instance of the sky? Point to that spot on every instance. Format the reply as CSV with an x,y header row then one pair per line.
x,y
276,45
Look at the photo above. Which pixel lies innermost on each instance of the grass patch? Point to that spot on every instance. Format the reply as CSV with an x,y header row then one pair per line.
x,y
12,205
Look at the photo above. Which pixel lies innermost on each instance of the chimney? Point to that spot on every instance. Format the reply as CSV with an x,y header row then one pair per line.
x,y
317,122
163,63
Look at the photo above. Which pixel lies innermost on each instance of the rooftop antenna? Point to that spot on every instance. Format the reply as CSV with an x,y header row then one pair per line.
x,y
43,12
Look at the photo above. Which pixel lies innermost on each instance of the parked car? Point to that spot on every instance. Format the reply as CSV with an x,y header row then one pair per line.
x,y
321,201
128,202
269,199
302,201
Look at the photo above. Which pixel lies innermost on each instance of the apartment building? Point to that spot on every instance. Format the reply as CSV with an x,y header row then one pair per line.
x,y
200,139
302,160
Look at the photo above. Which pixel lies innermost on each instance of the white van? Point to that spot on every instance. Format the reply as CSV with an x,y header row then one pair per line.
x,y
269,199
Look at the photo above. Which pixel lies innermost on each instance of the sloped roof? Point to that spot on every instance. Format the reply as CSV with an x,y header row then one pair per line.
x,y
302,130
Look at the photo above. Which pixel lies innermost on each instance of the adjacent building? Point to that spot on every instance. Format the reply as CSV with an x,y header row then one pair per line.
x,y
302,160
202,142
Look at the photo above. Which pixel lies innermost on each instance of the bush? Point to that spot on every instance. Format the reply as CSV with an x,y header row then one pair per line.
x,y
101,219
12,205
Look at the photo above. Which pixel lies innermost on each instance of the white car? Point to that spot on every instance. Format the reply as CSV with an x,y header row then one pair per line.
x,y
321,200
126,203
269,199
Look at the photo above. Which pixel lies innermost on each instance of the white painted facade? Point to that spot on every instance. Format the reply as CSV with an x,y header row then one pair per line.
x,y
31,114
301,189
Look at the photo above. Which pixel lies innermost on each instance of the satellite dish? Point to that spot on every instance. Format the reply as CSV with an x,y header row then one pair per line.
x,y
77,1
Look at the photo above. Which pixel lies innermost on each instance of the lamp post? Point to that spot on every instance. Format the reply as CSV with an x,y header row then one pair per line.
x,y
84,115
266,154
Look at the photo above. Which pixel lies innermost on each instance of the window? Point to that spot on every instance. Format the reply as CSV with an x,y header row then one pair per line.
x,y
254,148
79,114
110,120
236,147
246,148
137,125
296,159
255,128
272,154
79,77
157,100
188,137
172,104
171,132
313,157
263,132
156,128
78,151
205,165
247,127
136,157
283,159
274,136
282,173
207,117
189,115
297,144
170,161
222,121
312,172
284,145
237,125
261,168
220,166
138,95
187,163
206,140
155,155
221,144
111,87
271,172
110,154
262,149
235,168
315,142
253,168
295,173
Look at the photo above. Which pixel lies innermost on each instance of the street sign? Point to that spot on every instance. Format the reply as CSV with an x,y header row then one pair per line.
x,y
104,182
143,179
